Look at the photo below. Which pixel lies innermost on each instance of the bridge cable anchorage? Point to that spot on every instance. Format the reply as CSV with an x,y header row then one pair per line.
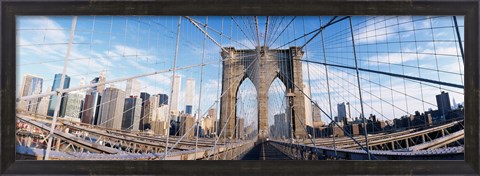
x,y
345,132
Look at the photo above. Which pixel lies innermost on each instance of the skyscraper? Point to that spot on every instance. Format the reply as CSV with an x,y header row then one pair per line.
x,y
111,108
189,95
73,105
91,107
101,79
152,111
31,85
443,103
163,99
308,106
43,105
144,111
131,115
175,96
55,86
343,113
282,127
317,114
133,88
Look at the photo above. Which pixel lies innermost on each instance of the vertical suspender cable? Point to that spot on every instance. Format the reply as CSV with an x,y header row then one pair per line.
x,y
201,81
459,38
360,91
328,88
173,83
60,89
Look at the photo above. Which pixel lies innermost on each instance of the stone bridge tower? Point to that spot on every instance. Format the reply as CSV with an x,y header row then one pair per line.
x,y
238,65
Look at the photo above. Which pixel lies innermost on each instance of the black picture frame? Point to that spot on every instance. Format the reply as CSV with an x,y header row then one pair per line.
x,y
468,8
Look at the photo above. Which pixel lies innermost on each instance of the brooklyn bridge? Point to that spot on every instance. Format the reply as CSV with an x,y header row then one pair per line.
x,y
240,88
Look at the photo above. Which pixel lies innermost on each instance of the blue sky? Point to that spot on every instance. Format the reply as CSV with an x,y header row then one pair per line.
x,y
131,45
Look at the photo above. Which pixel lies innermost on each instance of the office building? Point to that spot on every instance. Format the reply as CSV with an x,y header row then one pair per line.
x,y
282,128
133,88
189,95
73,105
31,85
55,98
91,107
111,108
343,110
131,113
43,105
163,99
101,79
144,111
240,128
175,96
308,105
443,103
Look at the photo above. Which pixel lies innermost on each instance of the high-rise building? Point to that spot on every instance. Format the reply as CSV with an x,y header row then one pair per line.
x,y
175,96
308,106
343,112
101,79
91,107
210,120
144,111
133,88
54,98
443,103
240,127
43,105
189,95
131,115
152,111
186,123
111,108
31,85
282,127
317,114
73,105
160,122
163,99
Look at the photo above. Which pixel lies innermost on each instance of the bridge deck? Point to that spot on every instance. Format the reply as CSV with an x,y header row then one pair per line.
x,y
265,151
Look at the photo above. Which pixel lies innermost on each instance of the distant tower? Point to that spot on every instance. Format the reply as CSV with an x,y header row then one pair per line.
x,y
55,86
443,103
308,106
343,113
101,79
31,85
175,96
454,104
82,81
133,88
189,95
73,105
111,108
131,115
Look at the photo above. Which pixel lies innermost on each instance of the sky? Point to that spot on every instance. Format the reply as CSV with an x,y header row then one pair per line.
x,y
124,46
